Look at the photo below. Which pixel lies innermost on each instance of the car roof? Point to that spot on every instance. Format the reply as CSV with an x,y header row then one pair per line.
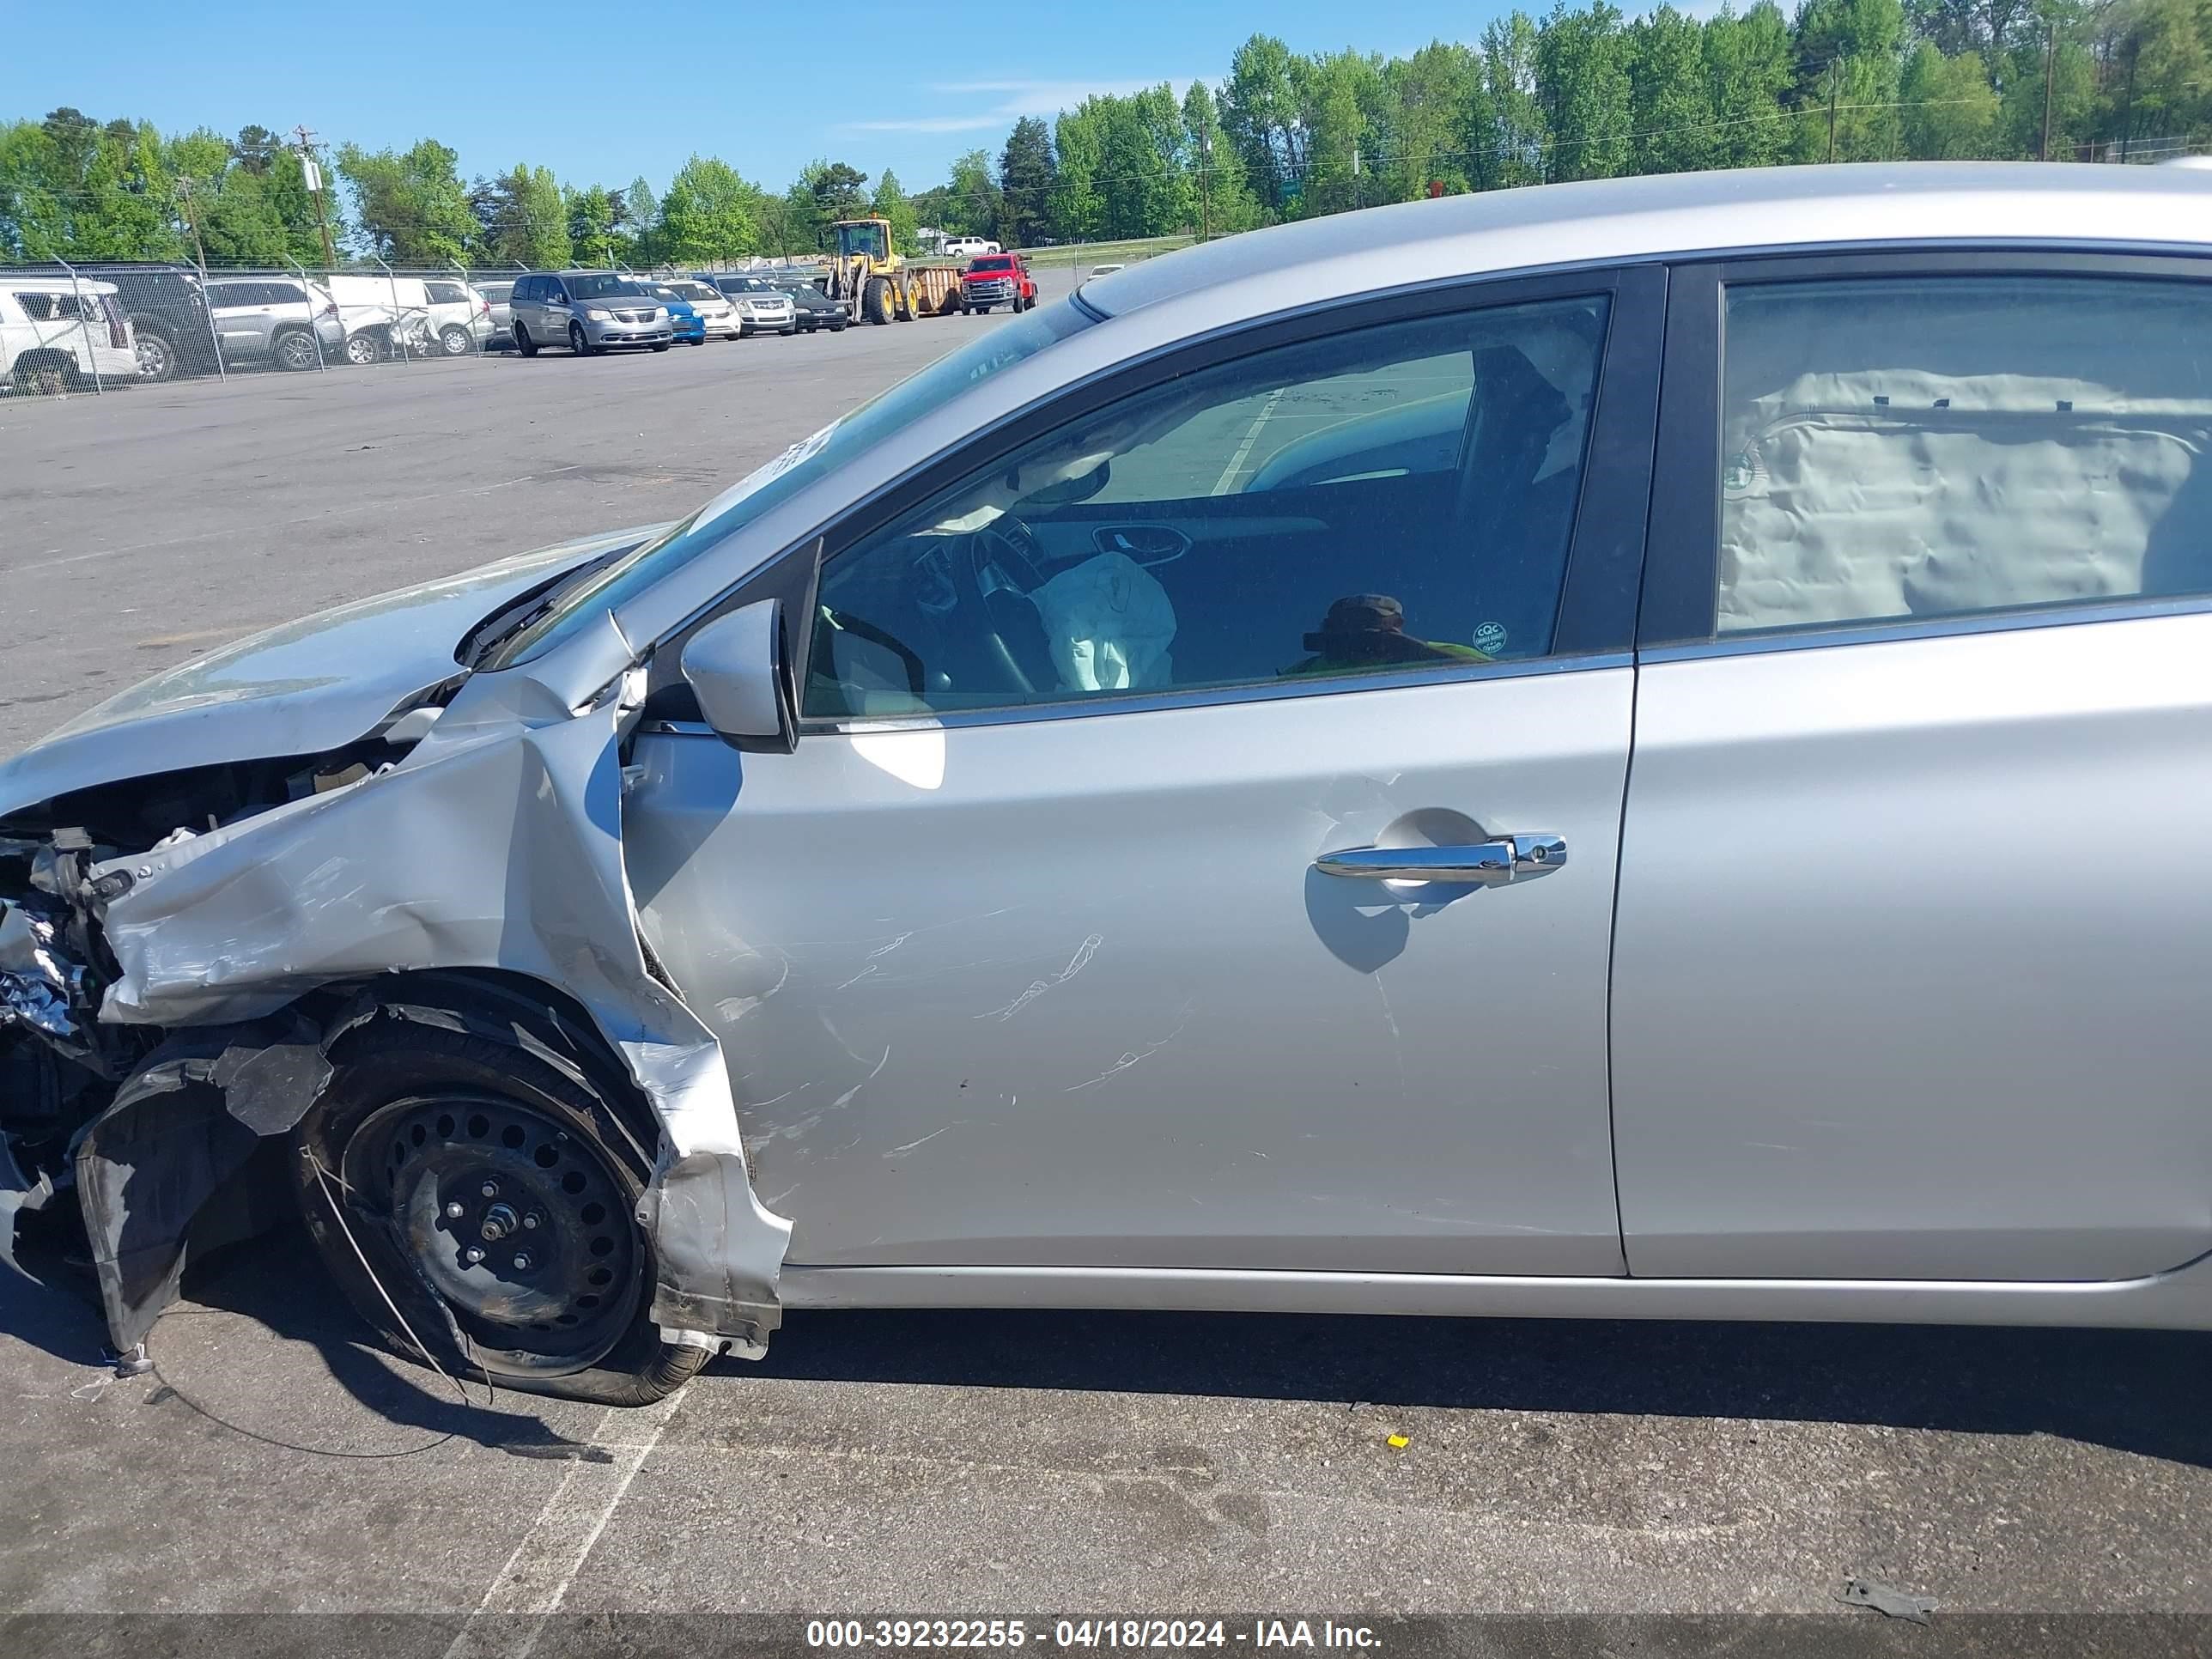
x,y
24,282
1686,213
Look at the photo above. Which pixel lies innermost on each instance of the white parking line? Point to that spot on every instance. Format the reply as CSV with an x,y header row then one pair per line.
x,y
1236,461
536,1579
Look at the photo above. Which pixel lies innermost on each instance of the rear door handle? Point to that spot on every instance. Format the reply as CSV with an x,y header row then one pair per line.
x,y
1483,864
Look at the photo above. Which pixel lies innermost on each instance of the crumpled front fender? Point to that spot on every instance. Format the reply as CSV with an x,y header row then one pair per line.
x,y
495,843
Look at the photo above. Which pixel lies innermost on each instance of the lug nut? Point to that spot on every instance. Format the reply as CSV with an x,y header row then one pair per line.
x,y
490,1189
530,1220
473,1256
521,1261
454,1211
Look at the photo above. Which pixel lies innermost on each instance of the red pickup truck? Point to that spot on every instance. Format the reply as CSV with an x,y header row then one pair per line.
x,y
997,279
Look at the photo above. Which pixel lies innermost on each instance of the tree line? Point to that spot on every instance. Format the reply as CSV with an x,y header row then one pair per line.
x,y
1582,93
1591,93
80,190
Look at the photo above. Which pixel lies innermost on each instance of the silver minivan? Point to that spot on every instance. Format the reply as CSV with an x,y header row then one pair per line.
x,y
587,311
1309,775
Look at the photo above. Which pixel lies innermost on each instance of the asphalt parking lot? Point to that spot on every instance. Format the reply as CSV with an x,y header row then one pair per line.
x,y
937,1464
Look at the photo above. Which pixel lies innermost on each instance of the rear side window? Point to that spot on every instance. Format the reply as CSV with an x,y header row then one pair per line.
x,y
445,294
1906,447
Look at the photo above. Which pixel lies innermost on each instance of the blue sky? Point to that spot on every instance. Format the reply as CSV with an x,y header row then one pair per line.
x,y
602,92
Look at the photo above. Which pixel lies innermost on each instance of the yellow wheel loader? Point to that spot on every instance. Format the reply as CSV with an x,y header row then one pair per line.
x,y
877,285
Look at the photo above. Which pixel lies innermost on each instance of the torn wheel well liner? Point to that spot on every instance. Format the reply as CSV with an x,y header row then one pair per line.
x,y
174,1166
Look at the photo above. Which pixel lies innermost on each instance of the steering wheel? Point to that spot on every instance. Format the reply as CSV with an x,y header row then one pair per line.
x,y
996,571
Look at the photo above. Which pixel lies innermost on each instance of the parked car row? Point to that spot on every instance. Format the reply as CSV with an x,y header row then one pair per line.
x,y
180,321
588,311
175,320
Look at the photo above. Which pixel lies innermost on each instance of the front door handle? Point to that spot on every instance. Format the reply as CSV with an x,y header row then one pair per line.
x,y
1483,864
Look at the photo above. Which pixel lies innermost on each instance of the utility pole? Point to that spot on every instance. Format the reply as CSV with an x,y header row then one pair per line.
x,y
1206,185
185,195
1835,90
2049,70
312,171
2128,112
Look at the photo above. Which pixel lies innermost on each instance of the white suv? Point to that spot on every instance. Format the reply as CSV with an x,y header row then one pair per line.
x,y
57,334
966,247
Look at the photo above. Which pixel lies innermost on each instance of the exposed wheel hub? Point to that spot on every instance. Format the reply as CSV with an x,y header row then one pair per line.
x,y
517,1222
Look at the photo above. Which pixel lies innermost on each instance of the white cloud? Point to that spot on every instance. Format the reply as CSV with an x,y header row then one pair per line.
x,y
1001,103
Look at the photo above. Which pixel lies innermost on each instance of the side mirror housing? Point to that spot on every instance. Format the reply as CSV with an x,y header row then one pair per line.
x,y
737,667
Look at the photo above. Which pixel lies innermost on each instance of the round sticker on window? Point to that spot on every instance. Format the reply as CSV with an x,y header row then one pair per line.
x,y
1490,638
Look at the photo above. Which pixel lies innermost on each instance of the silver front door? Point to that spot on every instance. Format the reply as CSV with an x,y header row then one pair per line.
x,y
1025,954
1912,972
242,317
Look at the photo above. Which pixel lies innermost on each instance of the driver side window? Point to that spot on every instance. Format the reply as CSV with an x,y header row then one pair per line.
x,y
1391,499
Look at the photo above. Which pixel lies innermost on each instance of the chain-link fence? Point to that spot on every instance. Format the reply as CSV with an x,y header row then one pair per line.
x,y
92,327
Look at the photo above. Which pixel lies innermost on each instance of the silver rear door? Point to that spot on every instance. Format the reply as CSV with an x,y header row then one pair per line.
x,y
1055,976
1911,969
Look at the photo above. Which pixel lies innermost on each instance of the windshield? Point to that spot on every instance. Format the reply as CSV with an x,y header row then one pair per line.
x,y
605,288
912,399
866,238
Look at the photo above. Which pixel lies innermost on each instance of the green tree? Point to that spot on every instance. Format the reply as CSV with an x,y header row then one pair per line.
x,y
639,219
590,214
1430,95
1260,109
1028,175
411,208
72,188
2049,68
521,219
1848,68
1671,95
1334,123
709,215
971,202
1749,65
1582,79
892,203
1950,108
838,190
1079,208
256,150
1225,200
2157,77
1512,138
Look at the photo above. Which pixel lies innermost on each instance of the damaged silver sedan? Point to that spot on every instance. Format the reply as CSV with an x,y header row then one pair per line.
x,y
1141,815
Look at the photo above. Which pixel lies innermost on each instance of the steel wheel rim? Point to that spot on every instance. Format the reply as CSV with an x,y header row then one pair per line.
x,y
152,358
544,1270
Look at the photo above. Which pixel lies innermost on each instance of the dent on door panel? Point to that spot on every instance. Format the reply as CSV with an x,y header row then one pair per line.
x,y
1911,976
1070,992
